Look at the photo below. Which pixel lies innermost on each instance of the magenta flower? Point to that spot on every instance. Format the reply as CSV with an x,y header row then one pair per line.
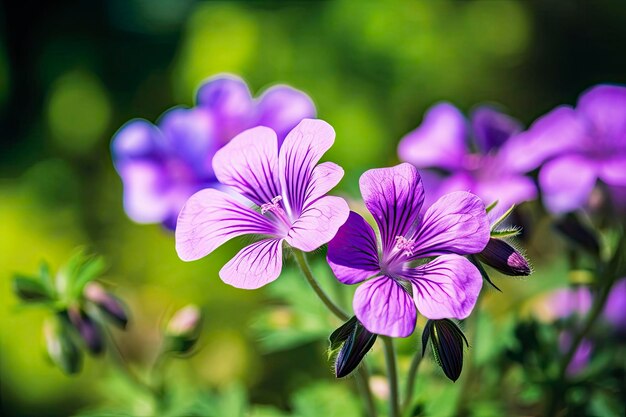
x,y
162,166
288,188
442,142
445,287
576,147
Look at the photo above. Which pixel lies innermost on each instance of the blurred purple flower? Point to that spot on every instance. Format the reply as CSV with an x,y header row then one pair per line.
x,y
446,287
442,142
162,165
576,147
289,189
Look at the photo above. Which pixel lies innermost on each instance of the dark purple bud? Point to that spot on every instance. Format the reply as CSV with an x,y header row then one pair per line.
x,y
503,257
88,329
28,289
447,343
353,341
183,330
60,346
111,306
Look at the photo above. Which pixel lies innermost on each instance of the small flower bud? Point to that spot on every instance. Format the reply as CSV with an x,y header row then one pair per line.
x,y
88,329
503,257
107,303
183,330
60,346
447,343
353,341
28,289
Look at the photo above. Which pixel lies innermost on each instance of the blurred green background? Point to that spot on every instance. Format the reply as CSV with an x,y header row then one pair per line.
x,y
72,72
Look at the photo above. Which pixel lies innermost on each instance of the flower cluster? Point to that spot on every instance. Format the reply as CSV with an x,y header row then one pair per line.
x,y
162,165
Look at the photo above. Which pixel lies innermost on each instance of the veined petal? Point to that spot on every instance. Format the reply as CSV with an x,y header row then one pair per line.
x,y
318,223
561,130
456,223
248,163
394,196
210,218
439,142
446,287
227,97
282,108
324,178
566,183
353,252
384,307
605,107
302,149
255,265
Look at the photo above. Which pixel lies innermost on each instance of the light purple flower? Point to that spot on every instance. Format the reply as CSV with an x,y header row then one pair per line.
x,y
576,147
288,187
445,287
615,308
442,142
162,165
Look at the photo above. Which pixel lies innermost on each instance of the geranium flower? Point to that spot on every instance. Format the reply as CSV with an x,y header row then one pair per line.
x,y
444,287
577,147
444,142
162,165
288,189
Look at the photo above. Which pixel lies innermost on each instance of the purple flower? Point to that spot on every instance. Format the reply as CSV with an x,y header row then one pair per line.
x,y
162,166
576,147
289,189
445,287
443,142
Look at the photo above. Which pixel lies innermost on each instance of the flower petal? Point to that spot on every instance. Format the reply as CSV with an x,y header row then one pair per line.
x,y
302,149
227,97
492,128
145,191
613,170
318,223
353,252
384,307
605,107
210,218
559,131
507,190
439,142
255,265
190,133
446,287
394,196
282,108
248,163
135,140
456,223
324,178
567,182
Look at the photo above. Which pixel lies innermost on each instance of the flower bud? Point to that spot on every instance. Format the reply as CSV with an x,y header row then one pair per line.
x,y
183,330
447,343
353,341
88,329
60,346
503,257
107,303
28,289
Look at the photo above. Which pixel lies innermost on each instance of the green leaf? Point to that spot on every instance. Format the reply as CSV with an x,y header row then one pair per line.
x,y
502,218
504,233
491,206
30,289
90,269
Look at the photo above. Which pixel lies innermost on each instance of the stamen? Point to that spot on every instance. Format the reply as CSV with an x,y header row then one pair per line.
x,y
273,206
405,245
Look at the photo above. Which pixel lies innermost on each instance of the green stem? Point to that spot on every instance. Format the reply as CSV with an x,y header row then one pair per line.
x,y
559,391
410,382
392,375
306,270
122,364
362,379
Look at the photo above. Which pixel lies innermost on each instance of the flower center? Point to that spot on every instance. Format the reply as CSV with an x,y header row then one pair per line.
x,y
405,245
273,206
281,218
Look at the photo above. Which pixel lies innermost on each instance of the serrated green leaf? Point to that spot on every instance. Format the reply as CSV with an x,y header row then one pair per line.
x,y
505,233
